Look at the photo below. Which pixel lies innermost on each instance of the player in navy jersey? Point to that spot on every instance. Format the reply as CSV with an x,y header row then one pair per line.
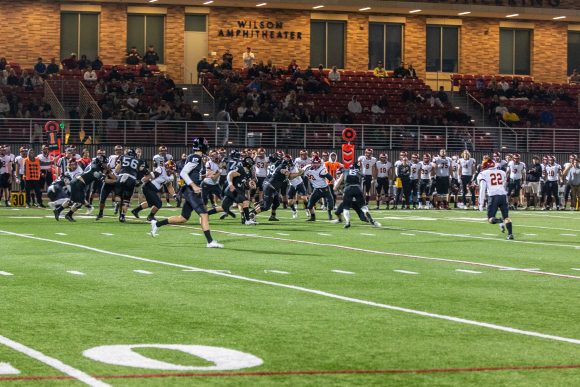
x,y
127,169
353,178
192,173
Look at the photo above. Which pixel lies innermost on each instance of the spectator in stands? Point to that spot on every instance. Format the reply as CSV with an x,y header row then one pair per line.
x,y
101,88
114,74
401,71
83,63
501,109
144,71
2,79
563,96
37,80
293,67
376,108
380,71
133,57
546,118
70,63
504,86
248,58
510,117
26,81
441,95
39,67
203,66
90,75
574,78
12,79
3,64
411,73
346,118
97,64
334,75
132,101
228,60
151,57
354,106
4,106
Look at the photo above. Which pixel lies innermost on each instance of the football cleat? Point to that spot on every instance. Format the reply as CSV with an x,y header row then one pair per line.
x,y
272,218
150,218
122,218
376,224
99,217
347,225
154,229
510,237
168,205
69,218
136,213
336,221
116,208
311,219
215,245
223,215
307,213
294,214
57,214
502,227
90,210
250,222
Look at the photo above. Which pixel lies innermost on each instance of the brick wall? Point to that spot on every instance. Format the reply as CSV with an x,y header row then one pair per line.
x,y
279,50
479,48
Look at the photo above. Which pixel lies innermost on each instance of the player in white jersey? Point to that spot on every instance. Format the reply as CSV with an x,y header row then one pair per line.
x,y
301,162
296,192
317,174
466,172
210,188
162,176
19,167
455,186
261,164
568,189
516,173
367,164
415,179
5,175
158,160
384,174
552,174
426,172
442,166
495,181
398,185
73,170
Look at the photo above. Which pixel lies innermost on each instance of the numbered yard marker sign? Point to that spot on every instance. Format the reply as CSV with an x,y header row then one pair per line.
x,y
18,199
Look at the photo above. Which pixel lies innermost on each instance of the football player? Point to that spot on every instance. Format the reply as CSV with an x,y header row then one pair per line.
x,y
442,166
46,165
552,174
516,173
192,173
367,163
533,177
414,179
261,172
384,173
162,176
568,189
127,169
427,172
5,175
455,186
317,174
495,181
78,186
466,171
210,187
109,188
352,178
296,191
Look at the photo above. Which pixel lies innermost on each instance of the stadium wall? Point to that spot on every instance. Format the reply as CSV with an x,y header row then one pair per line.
x,y
31,28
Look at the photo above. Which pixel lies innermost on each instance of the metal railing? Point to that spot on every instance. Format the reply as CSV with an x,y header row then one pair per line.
x,y
87,104
55,105
296,135
475,101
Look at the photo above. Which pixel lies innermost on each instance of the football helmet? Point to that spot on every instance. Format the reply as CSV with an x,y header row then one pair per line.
x,y
487,164
235,155
131,152
200,144
101,160
248,162
316,162
170,165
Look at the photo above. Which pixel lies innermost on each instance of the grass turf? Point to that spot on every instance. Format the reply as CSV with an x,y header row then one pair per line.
x,y
62,315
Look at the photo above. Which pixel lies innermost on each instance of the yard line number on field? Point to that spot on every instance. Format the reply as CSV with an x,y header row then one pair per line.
x,y
459,320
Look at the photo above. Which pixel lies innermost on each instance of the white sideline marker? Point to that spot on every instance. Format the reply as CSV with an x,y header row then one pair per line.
x,y
516,269
60,233
407,233
405,272
367,234
468,271
487,234
276,271
207,270
52,362
74,272
570,235
342,272
5,273
323,234
94,382
7,369
530,234
281,233
107,234
142,271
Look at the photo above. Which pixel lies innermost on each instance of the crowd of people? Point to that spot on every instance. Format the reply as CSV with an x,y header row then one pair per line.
x,y
255,182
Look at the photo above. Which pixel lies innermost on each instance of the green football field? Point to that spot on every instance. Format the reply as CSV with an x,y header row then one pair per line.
x,y
432,298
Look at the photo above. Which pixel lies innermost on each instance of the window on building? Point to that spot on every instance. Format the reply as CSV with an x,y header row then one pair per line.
x,y
144,31
385,45
442,48
327,43
573,51
79,33
514,51
196,23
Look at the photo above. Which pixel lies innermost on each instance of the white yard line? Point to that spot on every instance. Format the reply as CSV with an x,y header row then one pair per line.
x,y
5,273
459,320
487,234
406,272
107,234
367,234
7,369
468,271
569,235
25,217
411,256
276,271
206,270
52,362
323,234
408,234
195,234
342,272
74,272
283,234
60,233
533,269
142,271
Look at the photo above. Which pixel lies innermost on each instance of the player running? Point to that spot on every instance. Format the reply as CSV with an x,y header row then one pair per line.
x,y
318,176
495,182
127,169
192,173
162,176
